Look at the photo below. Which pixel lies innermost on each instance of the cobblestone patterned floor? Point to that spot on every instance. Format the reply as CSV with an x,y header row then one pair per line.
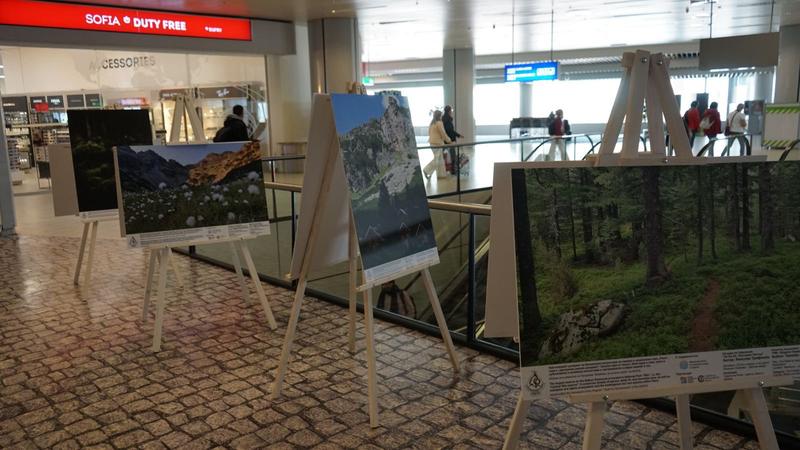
x,y
77,371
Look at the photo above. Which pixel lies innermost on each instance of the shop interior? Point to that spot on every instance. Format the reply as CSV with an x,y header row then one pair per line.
x,y
40,85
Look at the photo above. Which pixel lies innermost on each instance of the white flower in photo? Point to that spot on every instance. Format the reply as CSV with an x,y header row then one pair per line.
x,y
225,189
190,221
253,176
162,185
160,216
200,218
245,202
241,191
253,189
184,187
231,216
206,198
225,204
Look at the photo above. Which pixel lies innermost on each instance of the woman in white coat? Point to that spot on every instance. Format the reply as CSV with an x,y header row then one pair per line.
x,y
436,136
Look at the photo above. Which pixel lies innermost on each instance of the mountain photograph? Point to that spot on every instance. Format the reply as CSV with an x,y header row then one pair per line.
x,y
382,167
166,188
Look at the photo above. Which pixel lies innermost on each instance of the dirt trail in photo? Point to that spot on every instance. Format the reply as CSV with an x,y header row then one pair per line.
x,y
704,326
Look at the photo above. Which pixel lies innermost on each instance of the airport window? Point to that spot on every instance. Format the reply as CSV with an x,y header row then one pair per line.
x,y
496,103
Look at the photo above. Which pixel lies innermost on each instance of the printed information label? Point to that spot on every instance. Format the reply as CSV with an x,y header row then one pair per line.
x,y
659,371
194,236
389,271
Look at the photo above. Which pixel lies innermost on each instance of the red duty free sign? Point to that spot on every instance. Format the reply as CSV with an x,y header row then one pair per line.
x,y
34,13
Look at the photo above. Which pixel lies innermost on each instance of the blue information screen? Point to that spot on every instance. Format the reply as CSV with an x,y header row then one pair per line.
x,y
532,72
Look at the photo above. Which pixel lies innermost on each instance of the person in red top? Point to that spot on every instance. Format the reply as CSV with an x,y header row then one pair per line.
x,y
715,125
691,118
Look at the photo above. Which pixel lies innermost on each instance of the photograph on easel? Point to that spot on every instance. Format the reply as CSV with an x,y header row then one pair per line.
x,y
632,262
387,193
167,188
92,134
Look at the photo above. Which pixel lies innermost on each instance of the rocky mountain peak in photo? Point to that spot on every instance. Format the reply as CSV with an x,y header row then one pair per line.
x,y
145,171
216,167
382,148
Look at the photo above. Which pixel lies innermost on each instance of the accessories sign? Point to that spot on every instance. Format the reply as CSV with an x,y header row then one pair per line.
x,y
34,13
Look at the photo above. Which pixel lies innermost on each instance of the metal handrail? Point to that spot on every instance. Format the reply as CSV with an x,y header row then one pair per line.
x,y
476,143
565,137
591,150
710,144
466,208
282,158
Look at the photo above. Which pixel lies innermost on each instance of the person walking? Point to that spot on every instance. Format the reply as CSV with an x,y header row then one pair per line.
x,y
735,129
436,136
558,128
233,129
691,119
450,129
711,124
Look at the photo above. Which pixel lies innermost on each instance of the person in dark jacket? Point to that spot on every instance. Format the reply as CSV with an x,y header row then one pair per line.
x,y
711,116
450,129
234,129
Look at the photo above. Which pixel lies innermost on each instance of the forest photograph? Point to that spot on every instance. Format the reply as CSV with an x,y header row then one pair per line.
x,y
641,261
93,133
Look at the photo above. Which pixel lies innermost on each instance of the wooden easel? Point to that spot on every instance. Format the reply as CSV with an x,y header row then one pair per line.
x,y
161,254
90,224
646,76
748,391
324,139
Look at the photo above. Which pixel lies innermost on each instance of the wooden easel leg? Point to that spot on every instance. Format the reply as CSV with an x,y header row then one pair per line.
x,y
251,267
151,267
515,427
161,299
352,281
593,433
76,279
437,311
684,422
759,413
372,382
294,317
174,266
87,277
237,265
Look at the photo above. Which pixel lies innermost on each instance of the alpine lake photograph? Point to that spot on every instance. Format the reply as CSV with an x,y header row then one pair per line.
x,y
387,193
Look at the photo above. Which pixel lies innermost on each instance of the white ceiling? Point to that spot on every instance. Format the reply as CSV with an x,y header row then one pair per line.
x,y
402,29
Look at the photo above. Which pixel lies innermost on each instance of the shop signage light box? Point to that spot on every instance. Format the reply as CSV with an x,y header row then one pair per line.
x,y
34,13
531,72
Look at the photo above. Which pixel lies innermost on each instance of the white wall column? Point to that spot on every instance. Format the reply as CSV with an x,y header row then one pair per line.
x,y
787,78
334,54
8,219
458,70
288,78
763,87
526,100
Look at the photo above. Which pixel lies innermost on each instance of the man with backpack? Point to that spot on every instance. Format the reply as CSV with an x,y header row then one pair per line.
x,y
234,129
557,129
691,120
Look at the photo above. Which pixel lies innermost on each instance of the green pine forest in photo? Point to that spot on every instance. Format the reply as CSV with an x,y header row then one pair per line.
x,y
703,257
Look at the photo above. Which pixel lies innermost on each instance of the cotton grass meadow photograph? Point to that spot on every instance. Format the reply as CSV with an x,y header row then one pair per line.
x,y
165,188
